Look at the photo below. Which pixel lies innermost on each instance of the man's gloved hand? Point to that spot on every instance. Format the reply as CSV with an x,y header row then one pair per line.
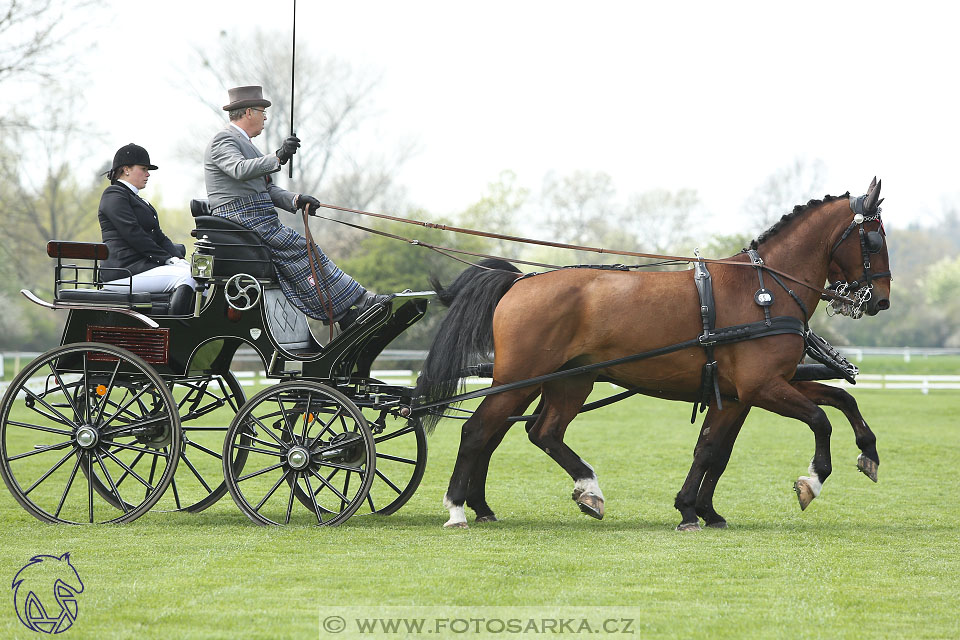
x,y
305,200
289,147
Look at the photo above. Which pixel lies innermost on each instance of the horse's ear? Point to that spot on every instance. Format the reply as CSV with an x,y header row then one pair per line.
x,y
873,185
873,197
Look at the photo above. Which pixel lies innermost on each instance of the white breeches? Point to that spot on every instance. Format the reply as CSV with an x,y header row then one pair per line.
x,y
162,279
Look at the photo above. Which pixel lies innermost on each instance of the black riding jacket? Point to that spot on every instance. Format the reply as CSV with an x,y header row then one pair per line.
x,y
131,230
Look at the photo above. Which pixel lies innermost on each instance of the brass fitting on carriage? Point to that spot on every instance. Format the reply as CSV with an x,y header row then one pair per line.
x,y
201,268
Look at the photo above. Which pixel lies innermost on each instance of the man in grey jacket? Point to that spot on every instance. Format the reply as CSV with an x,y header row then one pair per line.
x,y
239,188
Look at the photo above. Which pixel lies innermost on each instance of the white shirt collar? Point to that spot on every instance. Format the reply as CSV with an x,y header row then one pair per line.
x,y
132,188
241,131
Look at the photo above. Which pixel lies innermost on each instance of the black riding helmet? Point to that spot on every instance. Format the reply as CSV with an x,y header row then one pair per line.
x,y
131,154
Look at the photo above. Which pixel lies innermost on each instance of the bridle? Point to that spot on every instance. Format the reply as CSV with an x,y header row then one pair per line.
x,y
871,242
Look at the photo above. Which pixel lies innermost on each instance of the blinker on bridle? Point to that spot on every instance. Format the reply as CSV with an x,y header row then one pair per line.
x,y
871,242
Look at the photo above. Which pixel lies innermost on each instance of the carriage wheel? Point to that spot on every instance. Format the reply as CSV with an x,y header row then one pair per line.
x,y
86,414
401,460
206,405
401,446
305,440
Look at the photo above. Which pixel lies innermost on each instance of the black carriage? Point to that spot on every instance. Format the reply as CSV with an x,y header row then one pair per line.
x,y
138,408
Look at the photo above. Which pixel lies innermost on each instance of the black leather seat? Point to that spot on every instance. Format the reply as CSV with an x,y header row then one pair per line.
x,y
107,297
152,304
238,249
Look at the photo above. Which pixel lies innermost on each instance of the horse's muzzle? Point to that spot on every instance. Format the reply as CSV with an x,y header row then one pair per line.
x,y
876,305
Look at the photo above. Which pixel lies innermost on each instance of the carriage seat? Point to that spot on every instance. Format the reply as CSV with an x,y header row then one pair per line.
x,y
82,287
238,249
151,304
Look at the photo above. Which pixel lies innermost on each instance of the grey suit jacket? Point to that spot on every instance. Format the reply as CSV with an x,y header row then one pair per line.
x,y
234,168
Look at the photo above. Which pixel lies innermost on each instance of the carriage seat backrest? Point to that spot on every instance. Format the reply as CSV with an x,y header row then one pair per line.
x,y
286,323
238,249
80,284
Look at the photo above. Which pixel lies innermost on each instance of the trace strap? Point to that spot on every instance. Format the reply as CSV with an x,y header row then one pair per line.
x,y
737,333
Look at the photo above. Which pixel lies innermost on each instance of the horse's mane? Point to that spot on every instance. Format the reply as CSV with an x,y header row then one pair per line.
x,y
798,210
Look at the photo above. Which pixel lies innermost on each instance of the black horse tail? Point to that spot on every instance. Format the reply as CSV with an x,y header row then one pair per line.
x,y
466,332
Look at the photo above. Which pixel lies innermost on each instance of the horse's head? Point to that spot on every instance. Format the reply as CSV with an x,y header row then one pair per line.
x,y
859,264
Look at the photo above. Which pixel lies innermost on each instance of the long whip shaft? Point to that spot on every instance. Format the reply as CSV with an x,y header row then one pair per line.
x,y
293,78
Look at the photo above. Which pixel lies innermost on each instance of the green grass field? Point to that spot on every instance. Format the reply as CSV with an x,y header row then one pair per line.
x,y
865,560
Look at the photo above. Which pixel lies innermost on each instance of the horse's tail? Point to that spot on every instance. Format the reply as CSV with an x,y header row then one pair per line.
x,y
466,332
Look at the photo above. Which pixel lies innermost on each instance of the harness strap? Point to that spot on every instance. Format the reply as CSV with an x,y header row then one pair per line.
x,y
708,315
727,335
758,263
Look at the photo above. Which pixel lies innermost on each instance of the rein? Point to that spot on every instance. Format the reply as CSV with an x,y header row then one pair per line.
x,y
322,291
826,293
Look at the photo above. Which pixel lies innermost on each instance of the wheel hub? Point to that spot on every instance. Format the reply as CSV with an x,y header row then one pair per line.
x,y
298,458
87,437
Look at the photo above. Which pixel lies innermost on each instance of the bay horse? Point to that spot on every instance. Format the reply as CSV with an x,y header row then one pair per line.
x,y
566,318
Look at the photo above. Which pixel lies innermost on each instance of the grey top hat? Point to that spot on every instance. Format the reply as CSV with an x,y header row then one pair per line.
x,y
243,97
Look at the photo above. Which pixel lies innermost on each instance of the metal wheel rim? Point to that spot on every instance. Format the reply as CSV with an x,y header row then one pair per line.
x,y
268,414
199,479
54,413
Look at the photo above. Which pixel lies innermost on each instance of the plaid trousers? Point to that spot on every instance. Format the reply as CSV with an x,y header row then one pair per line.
x,y
289,252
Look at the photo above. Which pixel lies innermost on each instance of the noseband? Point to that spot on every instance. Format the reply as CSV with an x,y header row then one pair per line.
x,y
860,290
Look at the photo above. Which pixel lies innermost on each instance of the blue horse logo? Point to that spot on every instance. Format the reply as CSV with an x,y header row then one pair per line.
x,y
46,576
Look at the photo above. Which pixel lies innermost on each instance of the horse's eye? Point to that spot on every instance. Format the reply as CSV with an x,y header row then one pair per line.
x,y
874,241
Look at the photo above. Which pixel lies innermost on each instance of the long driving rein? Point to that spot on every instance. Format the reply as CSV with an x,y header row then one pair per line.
x,y
827,294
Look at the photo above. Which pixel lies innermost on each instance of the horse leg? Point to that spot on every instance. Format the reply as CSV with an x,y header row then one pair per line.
x,y
475,435
561,402
476,485
728,427
782,398
710,453
838,398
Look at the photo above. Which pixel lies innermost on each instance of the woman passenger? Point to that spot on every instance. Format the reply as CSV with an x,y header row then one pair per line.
x,y
131,230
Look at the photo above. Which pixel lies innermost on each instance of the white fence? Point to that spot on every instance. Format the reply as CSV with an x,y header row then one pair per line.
x,y
922,382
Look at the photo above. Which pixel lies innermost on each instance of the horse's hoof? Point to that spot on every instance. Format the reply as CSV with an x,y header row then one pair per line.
x,y
455,525
867,466
591,504
719,524
804,493
489,518
688,526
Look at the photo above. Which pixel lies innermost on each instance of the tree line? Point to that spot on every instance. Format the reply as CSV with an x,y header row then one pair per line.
x,y
52,201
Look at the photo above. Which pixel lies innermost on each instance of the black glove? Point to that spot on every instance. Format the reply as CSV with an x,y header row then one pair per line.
x,y
305,200
289,147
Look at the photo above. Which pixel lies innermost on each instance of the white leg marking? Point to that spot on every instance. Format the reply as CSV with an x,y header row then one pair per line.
x,y
457,516
813,480
587,485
